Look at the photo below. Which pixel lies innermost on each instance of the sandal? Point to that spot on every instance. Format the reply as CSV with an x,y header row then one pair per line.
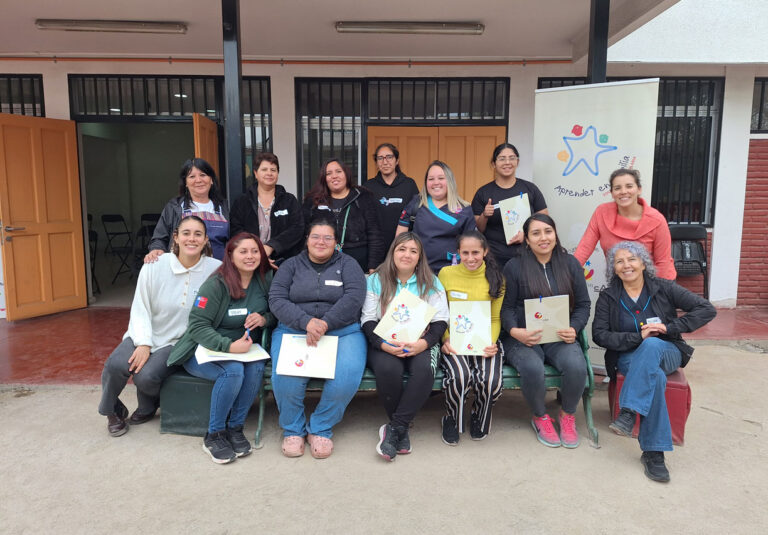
x,y
320,447
293,446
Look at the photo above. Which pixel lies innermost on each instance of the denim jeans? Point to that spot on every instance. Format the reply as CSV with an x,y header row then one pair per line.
x,y
645,373
235,389
337,392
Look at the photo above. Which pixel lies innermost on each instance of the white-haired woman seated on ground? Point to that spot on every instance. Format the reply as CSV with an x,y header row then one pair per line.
x,y
636,321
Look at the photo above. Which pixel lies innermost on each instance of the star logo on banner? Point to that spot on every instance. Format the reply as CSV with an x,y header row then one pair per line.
x,y
585,148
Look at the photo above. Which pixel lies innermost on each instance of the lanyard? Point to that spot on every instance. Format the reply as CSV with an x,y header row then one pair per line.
x,y
637,328
439,213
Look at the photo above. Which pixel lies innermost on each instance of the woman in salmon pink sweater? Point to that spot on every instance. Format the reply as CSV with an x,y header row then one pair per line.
x,y
629,218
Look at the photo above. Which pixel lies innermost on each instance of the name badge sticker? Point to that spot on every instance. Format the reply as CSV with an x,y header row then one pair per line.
x,y
334,283
281,212
323,207
238,312
458,295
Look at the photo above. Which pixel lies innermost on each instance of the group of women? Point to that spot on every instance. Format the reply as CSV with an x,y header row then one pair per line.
x,y
431,243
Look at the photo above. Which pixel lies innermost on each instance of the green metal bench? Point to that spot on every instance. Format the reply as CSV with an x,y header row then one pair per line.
x,y
510,381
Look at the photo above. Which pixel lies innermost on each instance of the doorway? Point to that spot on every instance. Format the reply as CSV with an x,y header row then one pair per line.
x,y
466,149
130,170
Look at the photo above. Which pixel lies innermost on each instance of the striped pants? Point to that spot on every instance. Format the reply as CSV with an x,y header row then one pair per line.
x,y
483,375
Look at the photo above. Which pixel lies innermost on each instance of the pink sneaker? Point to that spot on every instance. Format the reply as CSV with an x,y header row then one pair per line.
x,y
545,431
569,437
320,447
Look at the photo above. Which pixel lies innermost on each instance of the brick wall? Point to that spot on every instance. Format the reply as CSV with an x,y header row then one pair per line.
x,y
753,277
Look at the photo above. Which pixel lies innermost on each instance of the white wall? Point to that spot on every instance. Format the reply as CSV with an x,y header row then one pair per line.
x,y
523,80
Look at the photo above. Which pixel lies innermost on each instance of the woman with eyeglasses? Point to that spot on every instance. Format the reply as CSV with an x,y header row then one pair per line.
x,y
318,292
505,185
391,189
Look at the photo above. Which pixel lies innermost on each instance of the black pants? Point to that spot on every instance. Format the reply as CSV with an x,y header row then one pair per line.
x,y
403,402
529,362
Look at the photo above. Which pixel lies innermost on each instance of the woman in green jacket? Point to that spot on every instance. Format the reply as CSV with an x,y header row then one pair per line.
x,y
230,310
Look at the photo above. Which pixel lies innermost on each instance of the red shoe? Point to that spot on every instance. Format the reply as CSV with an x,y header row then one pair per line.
x,y
545,431
569,437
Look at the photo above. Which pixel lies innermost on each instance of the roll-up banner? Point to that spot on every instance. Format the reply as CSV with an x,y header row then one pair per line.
x,y
582,134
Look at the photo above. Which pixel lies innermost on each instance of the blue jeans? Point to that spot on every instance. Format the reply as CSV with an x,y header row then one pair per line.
x,y
337,392
235,389
645,373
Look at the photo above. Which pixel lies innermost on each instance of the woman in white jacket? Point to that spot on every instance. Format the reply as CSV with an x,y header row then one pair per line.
x,y
165,292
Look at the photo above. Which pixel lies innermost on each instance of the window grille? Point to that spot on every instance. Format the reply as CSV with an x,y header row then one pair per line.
x,y
760,107
22,94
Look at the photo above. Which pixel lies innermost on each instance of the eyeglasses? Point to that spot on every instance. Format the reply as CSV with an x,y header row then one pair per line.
x,y
387,157
503,159
317,237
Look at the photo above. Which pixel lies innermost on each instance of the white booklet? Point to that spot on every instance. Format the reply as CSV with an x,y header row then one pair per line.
x,y
514,212
470,326
256,352
298,359
405,319
549,314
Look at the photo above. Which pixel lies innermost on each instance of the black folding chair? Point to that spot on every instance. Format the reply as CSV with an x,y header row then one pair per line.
x,y
93,243
147,223
689,251
119,242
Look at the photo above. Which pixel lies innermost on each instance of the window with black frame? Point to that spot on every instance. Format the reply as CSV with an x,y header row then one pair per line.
x,y
328,125
687,142
760,107
22,94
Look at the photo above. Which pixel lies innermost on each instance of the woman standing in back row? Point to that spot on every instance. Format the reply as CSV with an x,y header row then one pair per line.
x,y
629,218
391,189
505,185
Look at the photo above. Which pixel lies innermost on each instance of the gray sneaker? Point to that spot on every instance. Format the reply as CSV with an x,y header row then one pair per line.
x,y
387,446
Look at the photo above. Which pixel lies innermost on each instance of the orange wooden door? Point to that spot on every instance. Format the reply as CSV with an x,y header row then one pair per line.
x,y
468,150
417,146
40,213
206,140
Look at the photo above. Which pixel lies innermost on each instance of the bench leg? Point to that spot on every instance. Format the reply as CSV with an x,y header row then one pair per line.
x,y
257,439
587,399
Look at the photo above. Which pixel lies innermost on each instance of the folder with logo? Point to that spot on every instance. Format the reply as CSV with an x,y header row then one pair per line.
x,y
405,319
298,359
550,314
514,212
470,326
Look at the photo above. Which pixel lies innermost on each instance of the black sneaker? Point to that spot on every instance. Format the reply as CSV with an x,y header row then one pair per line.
x,y
403,441
218,447
237,440
450,431
387,446
655,469
624,423
476,429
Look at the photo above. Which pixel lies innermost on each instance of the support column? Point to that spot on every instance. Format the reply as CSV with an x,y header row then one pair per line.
x,y
597,58
234,164
731,185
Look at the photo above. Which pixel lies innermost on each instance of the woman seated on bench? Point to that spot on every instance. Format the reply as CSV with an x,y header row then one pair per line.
x,y
404,268
318,292
476,278
228,314
164,294
636,322
543,269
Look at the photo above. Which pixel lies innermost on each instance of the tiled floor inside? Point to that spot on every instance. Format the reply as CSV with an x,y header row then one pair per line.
x,y
70,347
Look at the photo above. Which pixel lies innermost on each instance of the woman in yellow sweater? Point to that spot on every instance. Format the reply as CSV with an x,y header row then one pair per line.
x,y
476,278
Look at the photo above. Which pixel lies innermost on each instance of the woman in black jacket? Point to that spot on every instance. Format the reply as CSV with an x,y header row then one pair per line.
x,y
636,321
353,210
269,212
544,268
